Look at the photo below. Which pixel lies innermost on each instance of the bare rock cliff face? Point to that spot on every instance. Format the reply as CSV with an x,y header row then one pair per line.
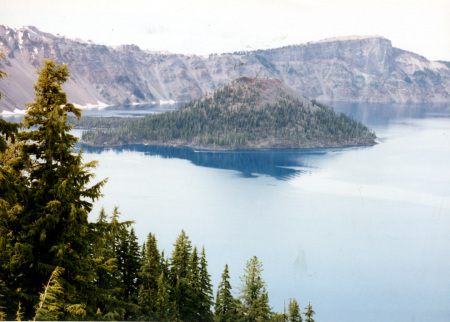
x,y
347,69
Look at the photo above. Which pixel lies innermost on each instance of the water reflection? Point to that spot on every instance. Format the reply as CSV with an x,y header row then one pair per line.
x,y
280,164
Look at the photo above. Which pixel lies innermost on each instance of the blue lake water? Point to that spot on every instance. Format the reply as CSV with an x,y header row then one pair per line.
x,y
361,233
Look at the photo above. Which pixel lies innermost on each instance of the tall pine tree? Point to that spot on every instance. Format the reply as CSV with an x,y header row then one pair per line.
x,y
294,311
194,279
49,224
12,192
225,306
110,264
206,293
129,264
150,273
253,293
309,313
165,309
182,292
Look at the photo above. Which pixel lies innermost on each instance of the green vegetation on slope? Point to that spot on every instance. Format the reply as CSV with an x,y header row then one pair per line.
x,y
248,113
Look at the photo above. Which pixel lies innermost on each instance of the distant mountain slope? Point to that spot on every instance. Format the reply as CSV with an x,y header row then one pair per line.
x,y
345,69
246,114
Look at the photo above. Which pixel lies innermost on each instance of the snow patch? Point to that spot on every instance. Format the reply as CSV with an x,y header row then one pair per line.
x,y
15,112
20,38
36,50
99,105
169,102
142,103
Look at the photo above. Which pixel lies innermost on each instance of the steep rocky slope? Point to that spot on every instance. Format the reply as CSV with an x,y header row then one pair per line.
x,y
345,69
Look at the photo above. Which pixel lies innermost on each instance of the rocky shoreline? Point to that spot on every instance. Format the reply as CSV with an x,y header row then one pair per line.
x,y
254,146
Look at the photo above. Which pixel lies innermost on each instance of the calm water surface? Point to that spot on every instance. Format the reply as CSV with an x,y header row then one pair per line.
x,y
361,233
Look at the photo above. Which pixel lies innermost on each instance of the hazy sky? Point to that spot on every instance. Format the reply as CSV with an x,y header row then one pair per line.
x,y
216,26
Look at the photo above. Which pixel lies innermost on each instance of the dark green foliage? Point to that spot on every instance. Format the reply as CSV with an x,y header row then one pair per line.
x,y
8,132
279,317
114,268
48,225
309,313
129,264
189,284
183,292
294,311
205,293
12,191
225,306
234,118
152,278
164,308
195,282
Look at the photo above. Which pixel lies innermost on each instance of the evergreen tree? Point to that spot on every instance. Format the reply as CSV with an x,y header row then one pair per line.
x,y
105,274
180,270
166,310
2,301
12,194
129,263
150,274
49,224
278,317
225,307
110,249
206,293
294,311
194,279
253,293
51,307
309,313
102,250
163,307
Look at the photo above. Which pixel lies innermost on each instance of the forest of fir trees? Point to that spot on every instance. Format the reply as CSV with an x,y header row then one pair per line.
x,y
56,265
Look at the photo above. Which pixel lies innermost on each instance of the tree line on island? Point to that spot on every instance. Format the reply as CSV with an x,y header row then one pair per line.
x,y
237,116
56,265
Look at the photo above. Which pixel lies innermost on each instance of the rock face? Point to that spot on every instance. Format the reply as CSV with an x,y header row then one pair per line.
x,y
365,69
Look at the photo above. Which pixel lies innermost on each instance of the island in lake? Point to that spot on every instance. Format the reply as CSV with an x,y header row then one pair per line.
x,y
248,113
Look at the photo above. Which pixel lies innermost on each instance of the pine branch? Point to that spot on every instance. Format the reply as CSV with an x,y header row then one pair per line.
x,y
49,306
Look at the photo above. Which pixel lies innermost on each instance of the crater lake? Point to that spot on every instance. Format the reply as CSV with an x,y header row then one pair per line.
x,y
361,233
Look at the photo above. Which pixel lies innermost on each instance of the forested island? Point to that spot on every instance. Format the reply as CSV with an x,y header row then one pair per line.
x,y
249,113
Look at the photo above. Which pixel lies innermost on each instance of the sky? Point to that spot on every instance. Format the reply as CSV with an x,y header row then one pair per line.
x,y
204,27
